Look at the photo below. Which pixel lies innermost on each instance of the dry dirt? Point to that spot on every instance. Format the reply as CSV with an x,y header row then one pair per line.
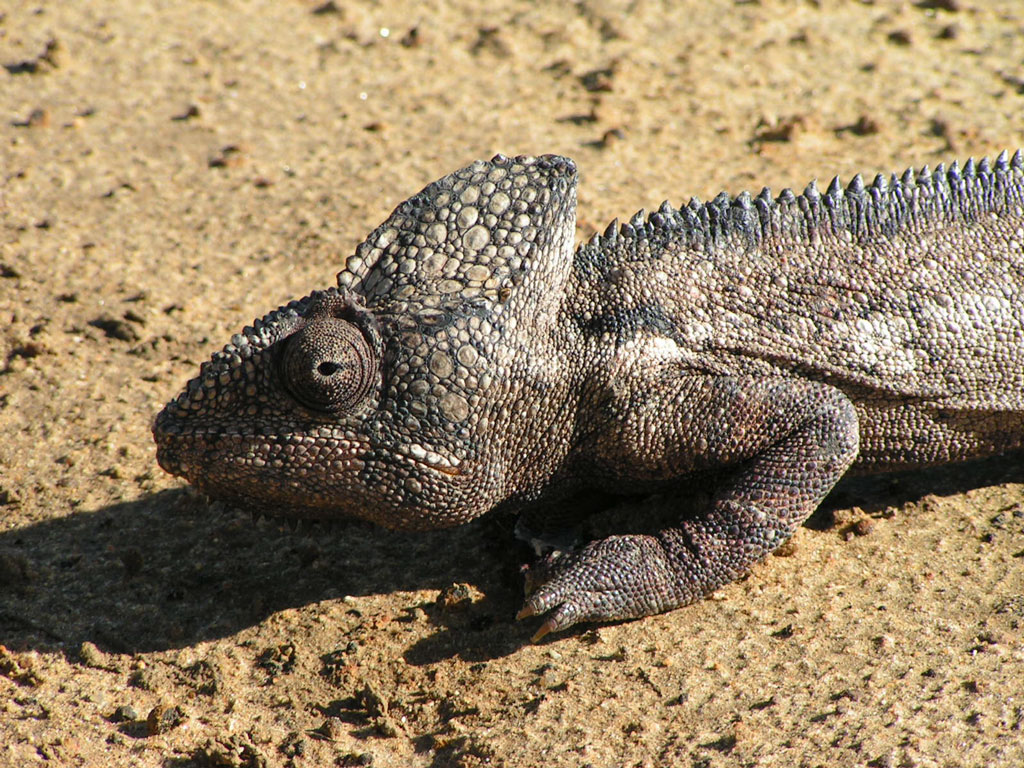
x,y
171,170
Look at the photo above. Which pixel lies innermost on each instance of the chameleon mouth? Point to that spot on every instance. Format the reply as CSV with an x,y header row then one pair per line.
x,y
231,454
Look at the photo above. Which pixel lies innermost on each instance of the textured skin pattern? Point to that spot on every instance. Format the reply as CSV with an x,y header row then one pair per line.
x,y
470,357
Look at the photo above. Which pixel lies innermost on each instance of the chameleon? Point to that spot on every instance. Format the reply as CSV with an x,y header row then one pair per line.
x,y
472,357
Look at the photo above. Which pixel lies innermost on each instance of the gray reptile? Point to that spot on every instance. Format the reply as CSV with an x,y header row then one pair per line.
x,y
471,357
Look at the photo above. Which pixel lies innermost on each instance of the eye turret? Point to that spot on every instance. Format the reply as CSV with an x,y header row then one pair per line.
x,y
333,361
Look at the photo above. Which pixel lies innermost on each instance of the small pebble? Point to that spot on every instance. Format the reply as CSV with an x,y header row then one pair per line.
x,y
864,526
92,656
126,713
163,718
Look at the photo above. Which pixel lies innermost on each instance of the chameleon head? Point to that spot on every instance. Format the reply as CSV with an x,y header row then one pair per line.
x,y
378,399
289,396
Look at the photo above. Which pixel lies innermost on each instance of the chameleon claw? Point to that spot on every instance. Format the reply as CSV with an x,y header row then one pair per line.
x,y
526,612
544,630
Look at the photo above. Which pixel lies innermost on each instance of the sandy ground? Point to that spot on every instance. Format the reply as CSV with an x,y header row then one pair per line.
x,y
170,170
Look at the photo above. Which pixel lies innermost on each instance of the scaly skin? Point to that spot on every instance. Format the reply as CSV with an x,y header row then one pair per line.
x,y
471,358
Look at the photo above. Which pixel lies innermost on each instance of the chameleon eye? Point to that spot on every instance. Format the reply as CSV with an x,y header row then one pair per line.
x,y
328,365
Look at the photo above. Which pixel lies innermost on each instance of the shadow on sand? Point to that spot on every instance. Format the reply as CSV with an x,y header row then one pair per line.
x,y
170,571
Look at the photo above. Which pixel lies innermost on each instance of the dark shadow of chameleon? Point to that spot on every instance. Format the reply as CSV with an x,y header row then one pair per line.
x,y
170,571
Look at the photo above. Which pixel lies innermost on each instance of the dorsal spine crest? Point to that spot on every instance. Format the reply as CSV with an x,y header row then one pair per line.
x,y
889,203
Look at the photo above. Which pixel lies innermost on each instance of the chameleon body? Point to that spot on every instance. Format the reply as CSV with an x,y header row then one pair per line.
x,y
471,357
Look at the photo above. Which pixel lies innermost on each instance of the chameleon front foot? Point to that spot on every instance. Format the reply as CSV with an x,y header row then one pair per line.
x,y
621,577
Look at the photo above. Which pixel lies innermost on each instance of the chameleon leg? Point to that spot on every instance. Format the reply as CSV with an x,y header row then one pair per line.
x,y
787,441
